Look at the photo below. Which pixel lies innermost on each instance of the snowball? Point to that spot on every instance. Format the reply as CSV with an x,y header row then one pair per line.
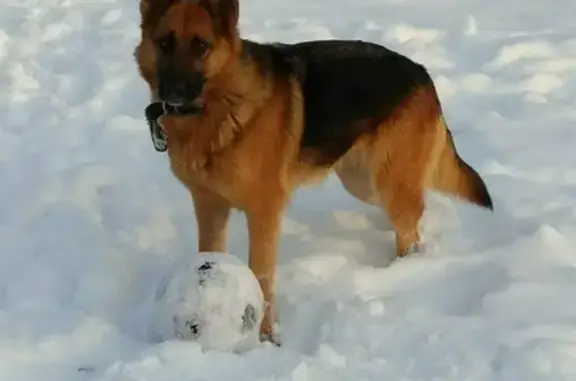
x,y
213,299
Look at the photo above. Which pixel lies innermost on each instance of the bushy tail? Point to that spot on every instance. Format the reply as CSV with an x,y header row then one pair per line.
x,y
455,177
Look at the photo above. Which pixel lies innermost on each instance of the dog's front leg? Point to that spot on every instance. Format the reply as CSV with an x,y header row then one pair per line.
x,y
212,215
264,225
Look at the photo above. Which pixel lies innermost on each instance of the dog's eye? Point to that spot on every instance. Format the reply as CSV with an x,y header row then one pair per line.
x,y
166,44
199,46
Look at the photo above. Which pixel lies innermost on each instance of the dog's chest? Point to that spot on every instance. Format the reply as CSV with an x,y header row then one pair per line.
x,y
206,158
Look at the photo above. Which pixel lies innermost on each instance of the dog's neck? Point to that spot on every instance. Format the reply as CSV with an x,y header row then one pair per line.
x,y
239,86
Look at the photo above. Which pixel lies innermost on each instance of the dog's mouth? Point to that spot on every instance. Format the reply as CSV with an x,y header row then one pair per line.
x,y
198,104
174,104
183,109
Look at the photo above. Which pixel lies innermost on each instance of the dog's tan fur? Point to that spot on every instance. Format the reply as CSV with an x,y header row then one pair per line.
x,y
243,152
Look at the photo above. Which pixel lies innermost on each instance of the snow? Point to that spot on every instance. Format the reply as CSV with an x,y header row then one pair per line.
x,y
91,217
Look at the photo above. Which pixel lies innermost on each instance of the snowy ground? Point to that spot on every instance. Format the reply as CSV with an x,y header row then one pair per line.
x,y
90,214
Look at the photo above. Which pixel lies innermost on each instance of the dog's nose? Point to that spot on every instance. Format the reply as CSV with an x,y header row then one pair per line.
x,y
173,92
180,90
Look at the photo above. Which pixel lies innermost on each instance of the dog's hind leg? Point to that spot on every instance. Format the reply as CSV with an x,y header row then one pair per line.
x,y
391,186
402,198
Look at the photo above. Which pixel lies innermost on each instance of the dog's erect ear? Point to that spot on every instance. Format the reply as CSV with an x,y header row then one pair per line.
x,y
153,9
229,11
147,5
144,7
225,11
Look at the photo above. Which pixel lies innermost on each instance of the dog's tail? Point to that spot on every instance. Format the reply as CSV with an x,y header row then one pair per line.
x,y
455,177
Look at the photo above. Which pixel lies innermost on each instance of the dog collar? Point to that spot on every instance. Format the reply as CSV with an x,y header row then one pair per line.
x,y
158,109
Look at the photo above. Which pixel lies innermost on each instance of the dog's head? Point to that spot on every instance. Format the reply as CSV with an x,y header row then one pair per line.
x,y
184,44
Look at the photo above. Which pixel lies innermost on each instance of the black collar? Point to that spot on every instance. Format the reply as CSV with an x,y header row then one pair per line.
x,y
157,109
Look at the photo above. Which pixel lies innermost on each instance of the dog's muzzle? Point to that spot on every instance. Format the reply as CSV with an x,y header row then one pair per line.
x,y
158,109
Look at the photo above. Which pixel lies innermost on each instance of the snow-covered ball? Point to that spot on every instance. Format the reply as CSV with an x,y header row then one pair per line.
x,y
214,299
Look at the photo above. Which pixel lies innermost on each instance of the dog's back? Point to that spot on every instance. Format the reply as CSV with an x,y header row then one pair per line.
x,y
349,88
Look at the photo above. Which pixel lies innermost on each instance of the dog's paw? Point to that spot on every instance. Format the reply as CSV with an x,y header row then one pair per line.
x,y
270,338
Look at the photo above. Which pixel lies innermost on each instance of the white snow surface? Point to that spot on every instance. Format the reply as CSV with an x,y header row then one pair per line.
x,y
90,216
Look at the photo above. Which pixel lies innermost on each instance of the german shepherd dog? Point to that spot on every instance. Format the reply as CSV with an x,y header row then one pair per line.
x,y
245,124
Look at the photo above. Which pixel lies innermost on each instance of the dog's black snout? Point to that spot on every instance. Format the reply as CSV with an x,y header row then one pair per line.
x,y
180,89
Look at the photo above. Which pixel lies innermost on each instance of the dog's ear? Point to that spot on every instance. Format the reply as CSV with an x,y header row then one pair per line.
x,y
230,13
151,10
226,12
144,7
